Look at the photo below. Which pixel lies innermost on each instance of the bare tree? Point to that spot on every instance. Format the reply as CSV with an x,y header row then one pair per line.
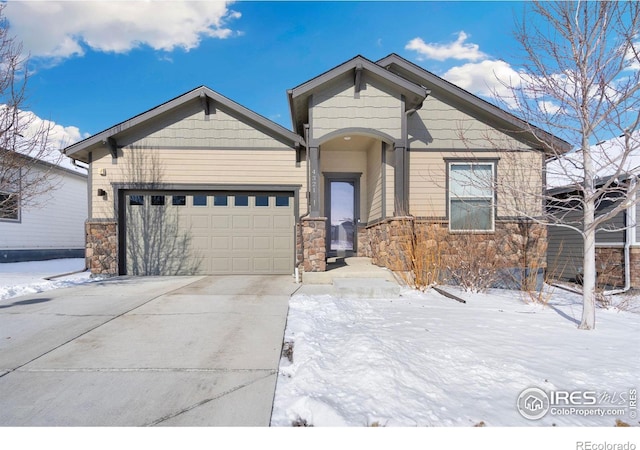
x,y
156,243
580,79
24,140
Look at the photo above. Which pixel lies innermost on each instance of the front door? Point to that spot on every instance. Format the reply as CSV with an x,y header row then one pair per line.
x,y
341,205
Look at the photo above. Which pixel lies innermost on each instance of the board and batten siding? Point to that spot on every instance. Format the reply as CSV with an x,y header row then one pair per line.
x,y
340,107
55,221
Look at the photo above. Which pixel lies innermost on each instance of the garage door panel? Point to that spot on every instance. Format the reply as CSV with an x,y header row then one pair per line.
x,y
262,265
282,243
282,223
220,222
241,243
200,222
262,243
223,238
241,264
220,243
262,222
241,222
281,265
220,265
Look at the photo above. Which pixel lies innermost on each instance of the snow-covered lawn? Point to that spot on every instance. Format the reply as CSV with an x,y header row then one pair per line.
x,y
24,278
426,360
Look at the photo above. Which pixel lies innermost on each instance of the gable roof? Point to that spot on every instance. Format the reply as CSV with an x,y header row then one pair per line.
x,y
80,150
298,96
475,106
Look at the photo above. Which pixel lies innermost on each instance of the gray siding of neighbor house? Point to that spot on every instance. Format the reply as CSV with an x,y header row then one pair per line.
x,y
53,227
565,249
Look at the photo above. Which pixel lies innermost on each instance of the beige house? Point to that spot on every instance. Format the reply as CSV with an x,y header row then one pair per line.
x,y
379,152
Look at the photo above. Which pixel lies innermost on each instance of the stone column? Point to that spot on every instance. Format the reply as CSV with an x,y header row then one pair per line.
x,y
102,247
314,249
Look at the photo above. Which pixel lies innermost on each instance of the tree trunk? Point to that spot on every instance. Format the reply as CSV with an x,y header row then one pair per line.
x,y
589,274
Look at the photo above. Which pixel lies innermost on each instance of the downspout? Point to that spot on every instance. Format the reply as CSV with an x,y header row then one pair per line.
x,y
628,239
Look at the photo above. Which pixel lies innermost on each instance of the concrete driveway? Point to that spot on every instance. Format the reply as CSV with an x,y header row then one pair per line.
x,y
181,351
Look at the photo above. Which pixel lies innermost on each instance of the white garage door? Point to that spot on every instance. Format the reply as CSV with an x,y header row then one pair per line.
x,y
209,233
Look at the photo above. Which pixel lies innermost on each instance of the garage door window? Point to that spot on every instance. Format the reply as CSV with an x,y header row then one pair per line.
x,y
281,200
136,200
262,200
199,200
220,200
157,200
241,200
179,200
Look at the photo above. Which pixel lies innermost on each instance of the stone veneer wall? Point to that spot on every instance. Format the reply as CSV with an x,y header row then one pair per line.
x,y
610,266
102,247
634,256
512,245
314,250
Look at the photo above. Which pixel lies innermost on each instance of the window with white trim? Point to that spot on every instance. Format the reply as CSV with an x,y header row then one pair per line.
x,y
9,206
471,196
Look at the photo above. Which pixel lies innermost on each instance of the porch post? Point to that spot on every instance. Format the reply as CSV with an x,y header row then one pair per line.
x,y
400,194
314,182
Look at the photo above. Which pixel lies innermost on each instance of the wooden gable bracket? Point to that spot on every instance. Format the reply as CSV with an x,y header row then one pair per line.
x,y
358,78
113,146
207,105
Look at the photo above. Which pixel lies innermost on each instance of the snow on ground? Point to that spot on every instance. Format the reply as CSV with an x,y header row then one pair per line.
x,y
24,278
426,360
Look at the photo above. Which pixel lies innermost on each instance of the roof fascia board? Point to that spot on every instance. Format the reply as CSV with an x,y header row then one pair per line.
x,y
275,130
354,64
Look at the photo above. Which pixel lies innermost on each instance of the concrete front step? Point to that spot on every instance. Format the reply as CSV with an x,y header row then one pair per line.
x,y
366,288
351,278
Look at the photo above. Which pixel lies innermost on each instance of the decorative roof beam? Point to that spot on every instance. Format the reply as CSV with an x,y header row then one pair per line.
x,y
207,104
113,146
358,78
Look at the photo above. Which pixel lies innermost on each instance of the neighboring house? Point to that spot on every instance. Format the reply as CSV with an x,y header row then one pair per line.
x,y
618,241
201,184
51,225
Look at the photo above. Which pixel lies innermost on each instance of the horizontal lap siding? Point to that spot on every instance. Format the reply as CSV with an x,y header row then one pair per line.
x,y
439,125
236,167
438,131
518,189
190,148
42,226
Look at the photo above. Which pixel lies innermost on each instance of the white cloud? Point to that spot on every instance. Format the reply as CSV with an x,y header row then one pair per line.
x,y
487,78
459,49
63,29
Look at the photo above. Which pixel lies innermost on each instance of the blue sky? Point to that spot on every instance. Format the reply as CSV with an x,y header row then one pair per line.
x,y
95,64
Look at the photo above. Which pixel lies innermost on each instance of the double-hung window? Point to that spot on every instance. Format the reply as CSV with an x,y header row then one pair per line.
x,y
471,196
